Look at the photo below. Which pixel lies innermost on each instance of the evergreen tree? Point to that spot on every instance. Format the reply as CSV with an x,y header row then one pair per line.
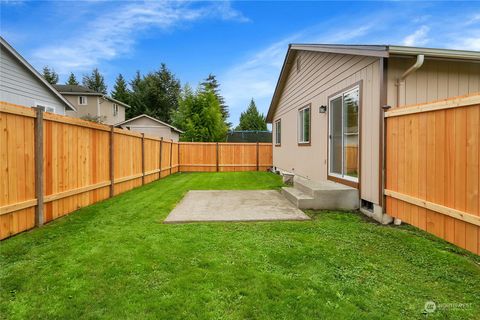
x,y
211,83
120,90
72,80
50,75
200,117
95,81
156,94
251,119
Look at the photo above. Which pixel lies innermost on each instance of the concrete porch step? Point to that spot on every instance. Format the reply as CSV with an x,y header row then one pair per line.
x,y
297,197
308,194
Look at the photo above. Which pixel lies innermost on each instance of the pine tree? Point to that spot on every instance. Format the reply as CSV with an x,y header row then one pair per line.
x,y
50,75
95,81
120,90
72,80
211,83
251,119
200,117
156,94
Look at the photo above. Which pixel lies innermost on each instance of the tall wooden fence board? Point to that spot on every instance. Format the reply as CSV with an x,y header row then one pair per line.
x,y
432,168
78,163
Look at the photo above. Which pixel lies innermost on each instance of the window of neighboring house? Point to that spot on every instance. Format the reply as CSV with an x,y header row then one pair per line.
x,y
46,109
115,109
82,100
304,125
278,132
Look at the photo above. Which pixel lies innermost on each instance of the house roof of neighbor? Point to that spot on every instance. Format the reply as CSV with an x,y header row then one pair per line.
x,y
74,89
69,89
34,72
381,51
151,118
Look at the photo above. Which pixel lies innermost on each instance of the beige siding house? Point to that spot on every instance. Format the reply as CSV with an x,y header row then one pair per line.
x,y
151,126
89,103
327,109
21,84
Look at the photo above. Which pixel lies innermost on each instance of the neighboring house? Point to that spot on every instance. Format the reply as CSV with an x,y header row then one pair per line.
x,y
327,112
89,103
21,84
151,126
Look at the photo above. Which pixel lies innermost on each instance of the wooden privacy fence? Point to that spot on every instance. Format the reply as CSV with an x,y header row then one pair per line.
x,y
201,156
52,165
432,168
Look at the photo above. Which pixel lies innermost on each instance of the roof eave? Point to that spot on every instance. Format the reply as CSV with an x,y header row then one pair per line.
x,y
35,73
435,53
152,118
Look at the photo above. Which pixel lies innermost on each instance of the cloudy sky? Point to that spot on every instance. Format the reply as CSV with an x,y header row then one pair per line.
x,y
243,43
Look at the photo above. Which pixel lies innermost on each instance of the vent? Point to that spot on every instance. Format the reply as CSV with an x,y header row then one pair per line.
x,y
367,205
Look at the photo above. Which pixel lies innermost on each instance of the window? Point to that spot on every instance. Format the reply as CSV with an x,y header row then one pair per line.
x,y
304,126
115,109
82,100
344,135
278,132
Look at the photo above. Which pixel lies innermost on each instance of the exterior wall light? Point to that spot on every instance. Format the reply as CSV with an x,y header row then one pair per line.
x,y
322,109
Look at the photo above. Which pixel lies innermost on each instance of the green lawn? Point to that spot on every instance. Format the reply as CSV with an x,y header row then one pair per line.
x,y
117,260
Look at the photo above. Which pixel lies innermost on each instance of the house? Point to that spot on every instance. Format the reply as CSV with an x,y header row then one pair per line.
x,y
151,126
21,84
89,103
327,108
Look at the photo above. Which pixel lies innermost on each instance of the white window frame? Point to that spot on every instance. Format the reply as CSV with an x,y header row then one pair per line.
x,y
278,133
115,109
342,94
84,98
300,125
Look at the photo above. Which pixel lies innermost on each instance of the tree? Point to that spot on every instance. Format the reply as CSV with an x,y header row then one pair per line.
x,y
251,119
95,81
50,75
120,90
211,83
200,117
72,80
156,94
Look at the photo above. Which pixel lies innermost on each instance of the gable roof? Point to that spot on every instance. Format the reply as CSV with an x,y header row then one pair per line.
x,y
74,89
69,89
380,51
151,118
35,73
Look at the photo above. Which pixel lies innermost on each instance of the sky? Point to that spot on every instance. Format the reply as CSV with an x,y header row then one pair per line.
x,y
242,42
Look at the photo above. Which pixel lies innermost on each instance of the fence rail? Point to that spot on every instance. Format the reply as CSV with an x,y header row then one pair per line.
x,y
432,168
51,165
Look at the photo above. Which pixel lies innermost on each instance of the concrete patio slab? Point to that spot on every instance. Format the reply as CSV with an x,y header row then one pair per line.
x,y
234,205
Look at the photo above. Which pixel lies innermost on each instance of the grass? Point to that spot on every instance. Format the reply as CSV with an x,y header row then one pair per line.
x,y
116,260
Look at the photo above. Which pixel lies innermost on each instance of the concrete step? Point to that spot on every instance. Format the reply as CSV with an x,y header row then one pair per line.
x,y
297,197
327,194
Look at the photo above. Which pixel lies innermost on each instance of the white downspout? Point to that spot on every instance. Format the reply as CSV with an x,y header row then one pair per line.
x,y
401,80
400,85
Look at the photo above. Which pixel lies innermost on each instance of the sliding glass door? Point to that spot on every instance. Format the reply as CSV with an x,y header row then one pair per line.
x,y
344,135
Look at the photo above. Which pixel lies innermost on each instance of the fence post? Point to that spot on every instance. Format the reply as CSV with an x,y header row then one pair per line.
x,y
217,157
178,156
160,163
143,158
112,164
258,155
39,167
171,154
